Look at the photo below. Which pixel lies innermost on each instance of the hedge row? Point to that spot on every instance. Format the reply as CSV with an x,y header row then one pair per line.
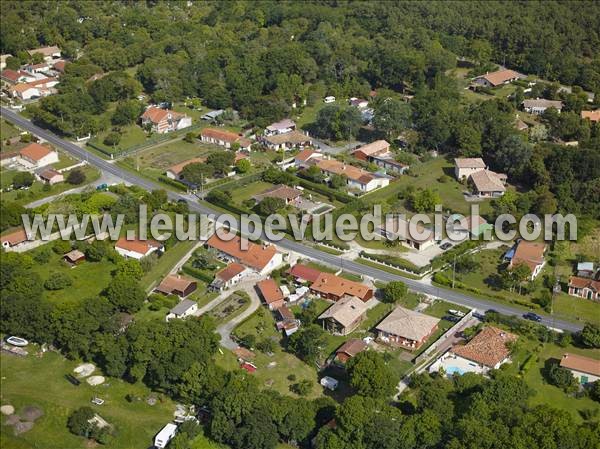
x,y
198,274
178,185
324,190
396,262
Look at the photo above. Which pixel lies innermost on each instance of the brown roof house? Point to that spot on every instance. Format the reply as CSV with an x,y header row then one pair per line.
x,y
488,350
260,258
584,369
488,184
34,156
349,349
271,293
74,257
406,328
397,228
539,105
584,288
356,178
50,176
287,141
498,78
14,239
592,116
174,172
288,194
372,149
304,273
177,285
464,167
164,120
334,288
224,138
530,254
286,321
228,276
344,316
302,159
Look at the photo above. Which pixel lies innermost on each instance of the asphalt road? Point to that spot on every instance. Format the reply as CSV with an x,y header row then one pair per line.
x,y
307,251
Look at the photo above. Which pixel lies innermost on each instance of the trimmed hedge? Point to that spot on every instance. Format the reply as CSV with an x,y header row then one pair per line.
x,y
396,262
199,274
178,185
324,190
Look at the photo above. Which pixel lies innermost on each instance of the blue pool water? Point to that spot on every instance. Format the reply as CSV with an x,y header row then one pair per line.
x,y
451,370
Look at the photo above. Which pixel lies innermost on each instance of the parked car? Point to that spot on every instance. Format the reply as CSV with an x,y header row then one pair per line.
x,y
446,246
17,341
97,401
451,318
102,187
532,317
457,313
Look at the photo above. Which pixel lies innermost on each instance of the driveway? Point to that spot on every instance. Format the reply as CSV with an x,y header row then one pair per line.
x,y
225,329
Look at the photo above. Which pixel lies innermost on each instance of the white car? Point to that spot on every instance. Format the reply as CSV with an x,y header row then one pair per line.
x,y
457,313
329,99
97,401
17,341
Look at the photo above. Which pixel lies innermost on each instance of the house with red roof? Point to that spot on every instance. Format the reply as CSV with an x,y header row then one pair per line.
x,y
164,120
498,78
224,138
304,273
271,293
586,288
136,248
228,276
35,156
177,285
13,239
529,253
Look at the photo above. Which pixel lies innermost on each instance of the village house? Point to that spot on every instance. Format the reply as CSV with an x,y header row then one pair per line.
x,y
488,184
49,53
50,176
14,239
528,253
174,172
539,105
498,78
305,157
488,350
185,308
376,148
260,258
289,195
303,273
224,138
584,369
34,89
34,156
37,68
397,228
465,167
334,288
359,103
74,257
357,178
16,76
344,316
585,288
136,249
585,269
281,127
175,284
592,116
271,293
164,120
406,328
469,225
228,276
351,348
287,141
286,321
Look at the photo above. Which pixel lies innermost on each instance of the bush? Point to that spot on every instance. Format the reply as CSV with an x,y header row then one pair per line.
x,y
58,281
61,246
302,388
23,179
590,335
173,183
561,377
76,177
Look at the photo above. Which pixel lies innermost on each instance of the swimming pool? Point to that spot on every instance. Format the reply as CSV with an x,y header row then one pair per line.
x,y
452,370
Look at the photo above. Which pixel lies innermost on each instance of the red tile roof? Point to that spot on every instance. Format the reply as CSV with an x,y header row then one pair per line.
x,y
270,291
488,347
178,168
330,284
35,151
304,155
230,271
352,347
373,148
11,75
219,134
593,116
157,115
579,282
256,256
304,272
501,76
529,253
137,246
15,237
581,364
174,283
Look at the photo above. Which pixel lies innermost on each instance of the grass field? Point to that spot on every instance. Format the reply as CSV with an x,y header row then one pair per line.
x,y
37,189
238,196
166,262
40,382
427,175
89,278
565,306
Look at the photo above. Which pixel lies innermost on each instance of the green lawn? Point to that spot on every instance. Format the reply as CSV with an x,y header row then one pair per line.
x,y
427,175
273,371
89,278
40,381
64,161
166,262
131,135
238,196
38,190
565,306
